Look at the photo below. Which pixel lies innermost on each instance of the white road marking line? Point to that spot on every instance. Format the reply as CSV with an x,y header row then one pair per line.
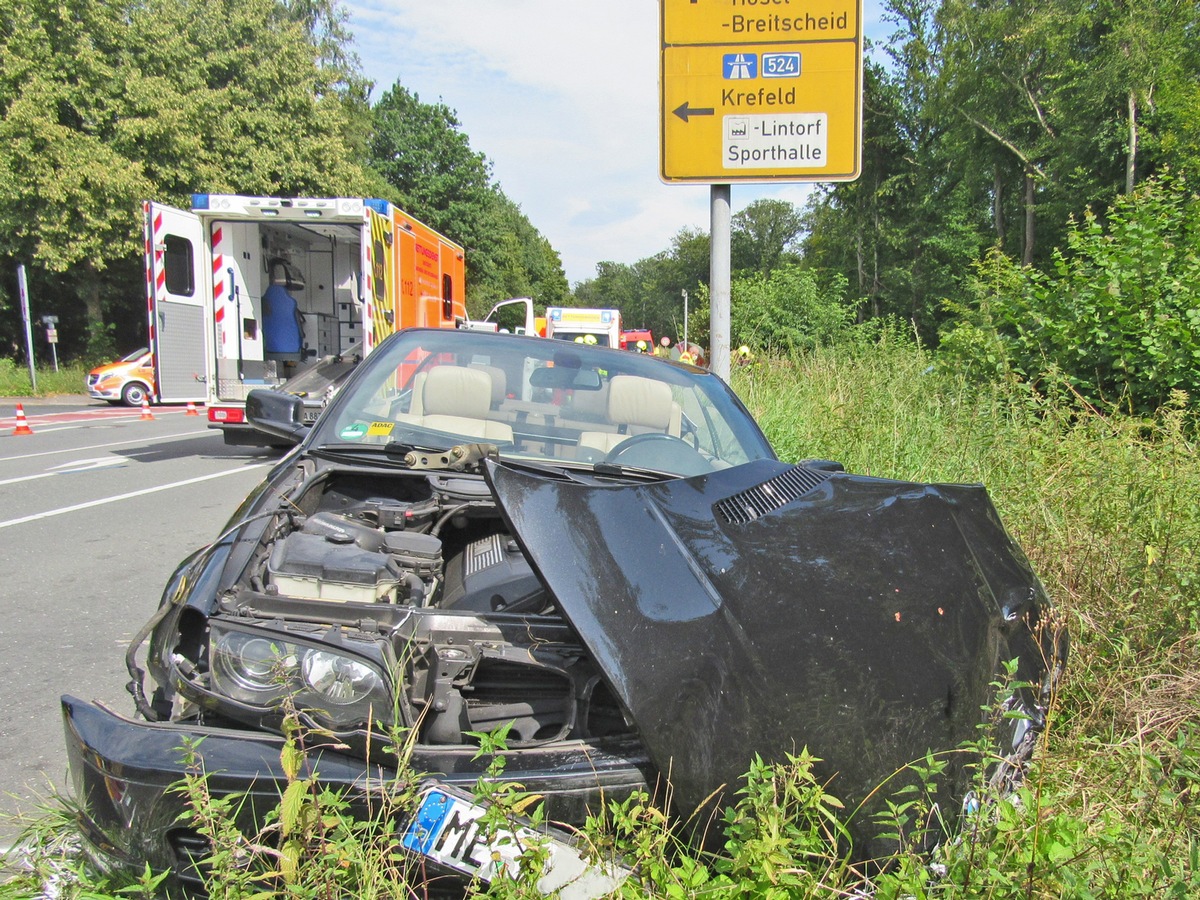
x,y
87,465
27,478
87,415
79,465
165,437
154,490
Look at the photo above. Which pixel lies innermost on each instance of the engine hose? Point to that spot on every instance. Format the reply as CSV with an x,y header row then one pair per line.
x,y
136,673
416,589
451,513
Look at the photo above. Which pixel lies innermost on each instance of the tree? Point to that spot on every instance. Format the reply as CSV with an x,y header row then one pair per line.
x,y
524,262
424,156
105,104
903,233
996,123
649,293
764,234
421,151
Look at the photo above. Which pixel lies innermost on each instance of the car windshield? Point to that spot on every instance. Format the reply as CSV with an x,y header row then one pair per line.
x,y
544,400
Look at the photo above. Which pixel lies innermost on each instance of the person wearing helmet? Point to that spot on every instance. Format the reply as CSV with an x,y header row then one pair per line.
x,y
641,346
744,356
579,340
589,339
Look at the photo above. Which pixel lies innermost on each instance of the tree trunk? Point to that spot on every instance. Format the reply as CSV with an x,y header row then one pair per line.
x,y
1131,154
91,300
998,204
860,264
89,292
1030,219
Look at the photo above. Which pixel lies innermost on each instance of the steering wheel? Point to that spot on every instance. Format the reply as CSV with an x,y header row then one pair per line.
x,y
637,440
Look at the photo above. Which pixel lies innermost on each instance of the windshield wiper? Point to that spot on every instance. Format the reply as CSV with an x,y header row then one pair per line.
x,y
607,468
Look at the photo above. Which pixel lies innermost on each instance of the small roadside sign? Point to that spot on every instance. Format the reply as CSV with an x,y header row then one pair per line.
x,y
760,90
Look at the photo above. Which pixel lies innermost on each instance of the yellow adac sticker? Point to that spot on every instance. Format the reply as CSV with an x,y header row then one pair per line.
x,y
378,428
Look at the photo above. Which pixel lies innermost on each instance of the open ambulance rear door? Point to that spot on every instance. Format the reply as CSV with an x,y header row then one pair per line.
x,y
176,298
378,262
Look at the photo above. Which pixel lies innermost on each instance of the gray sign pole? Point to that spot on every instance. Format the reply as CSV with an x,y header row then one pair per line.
x,y
23,290
718,282
685,317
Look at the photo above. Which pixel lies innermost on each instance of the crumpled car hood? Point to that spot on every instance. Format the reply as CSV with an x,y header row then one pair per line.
x,y
768,607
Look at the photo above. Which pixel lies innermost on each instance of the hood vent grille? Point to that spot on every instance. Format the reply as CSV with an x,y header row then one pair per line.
x,y
770,495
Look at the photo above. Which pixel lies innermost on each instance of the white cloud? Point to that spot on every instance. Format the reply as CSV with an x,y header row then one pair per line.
x,y
562,96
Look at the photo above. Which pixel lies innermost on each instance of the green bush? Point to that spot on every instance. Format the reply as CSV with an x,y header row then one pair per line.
x,y
788,310
1117,315
14,379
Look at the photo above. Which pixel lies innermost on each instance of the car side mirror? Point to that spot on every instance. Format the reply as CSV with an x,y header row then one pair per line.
x,y
277,414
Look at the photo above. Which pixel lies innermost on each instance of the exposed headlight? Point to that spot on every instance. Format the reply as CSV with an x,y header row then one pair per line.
x,y
337,689
339,679
258,666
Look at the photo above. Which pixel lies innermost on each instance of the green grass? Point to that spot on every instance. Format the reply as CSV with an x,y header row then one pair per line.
x,y
14,379
1106,508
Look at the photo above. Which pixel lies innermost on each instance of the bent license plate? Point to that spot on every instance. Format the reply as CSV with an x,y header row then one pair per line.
x,y
446,830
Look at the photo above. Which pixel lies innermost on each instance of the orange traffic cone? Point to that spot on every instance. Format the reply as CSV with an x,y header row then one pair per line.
x,y
146,410
22,425
191,410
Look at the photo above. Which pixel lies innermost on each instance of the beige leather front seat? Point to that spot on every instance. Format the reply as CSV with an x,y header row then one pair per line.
x,y
635,406
456,399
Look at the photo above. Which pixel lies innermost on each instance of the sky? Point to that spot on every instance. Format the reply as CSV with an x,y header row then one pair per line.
x,y
562,97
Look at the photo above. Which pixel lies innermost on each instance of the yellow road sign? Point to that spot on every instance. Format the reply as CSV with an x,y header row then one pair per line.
x,y
761,90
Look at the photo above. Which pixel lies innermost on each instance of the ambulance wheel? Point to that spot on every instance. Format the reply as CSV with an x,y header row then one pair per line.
x,y
133,394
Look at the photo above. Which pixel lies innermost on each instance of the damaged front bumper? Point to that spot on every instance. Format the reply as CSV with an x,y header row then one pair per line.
x,y
127,774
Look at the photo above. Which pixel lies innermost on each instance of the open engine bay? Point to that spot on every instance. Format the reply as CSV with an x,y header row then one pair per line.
x,y
398,600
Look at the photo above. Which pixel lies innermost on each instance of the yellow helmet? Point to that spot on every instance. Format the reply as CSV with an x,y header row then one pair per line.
x,y
589,339
743,350
579,340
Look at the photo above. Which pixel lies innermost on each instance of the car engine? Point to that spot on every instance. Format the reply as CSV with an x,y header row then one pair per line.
x,y
405,592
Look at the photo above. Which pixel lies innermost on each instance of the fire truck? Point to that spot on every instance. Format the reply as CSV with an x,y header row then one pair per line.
x,y
249,292
568,323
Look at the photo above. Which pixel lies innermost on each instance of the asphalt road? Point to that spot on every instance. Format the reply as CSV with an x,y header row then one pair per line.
x,y
97,507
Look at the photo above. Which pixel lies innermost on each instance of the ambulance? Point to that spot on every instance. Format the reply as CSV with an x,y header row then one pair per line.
x,y
248,292
595,326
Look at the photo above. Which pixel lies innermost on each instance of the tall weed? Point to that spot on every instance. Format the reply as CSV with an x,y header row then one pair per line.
x,y
14,379
1103,504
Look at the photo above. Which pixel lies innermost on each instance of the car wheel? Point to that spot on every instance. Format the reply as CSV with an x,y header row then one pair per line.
x,y
134,393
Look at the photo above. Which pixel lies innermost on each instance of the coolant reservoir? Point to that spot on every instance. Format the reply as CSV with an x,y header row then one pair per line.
x,y
323,567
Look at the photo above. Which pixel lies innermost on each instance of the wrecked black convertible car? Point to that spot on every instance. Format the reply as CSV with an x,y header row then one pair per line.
x,y
597,549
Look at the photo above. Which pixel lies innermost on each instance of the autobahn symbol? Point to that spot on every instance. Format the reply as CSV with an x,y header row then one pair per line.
x,y
739,66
